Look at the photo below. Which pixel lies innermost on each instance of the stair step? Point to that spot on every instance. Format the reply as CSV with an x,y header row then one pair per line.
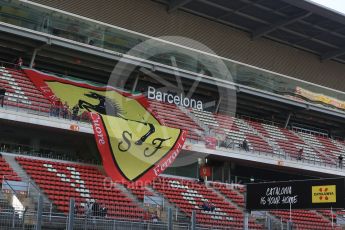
x,y
10,159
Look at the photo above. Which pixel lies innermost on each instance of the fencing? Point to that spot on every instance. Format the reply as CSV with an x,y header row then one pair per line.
x,y
23,206
40,216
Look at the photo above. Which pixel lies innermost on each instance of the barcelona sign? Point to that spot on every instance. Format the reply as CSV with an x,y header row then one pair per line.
x,y
133,144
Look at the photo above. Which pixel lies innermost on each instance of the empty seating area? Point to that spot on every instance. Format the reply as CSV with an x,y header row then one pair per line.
x,y
139,191
6,171
172,116
61,181
304,219
287,141
341,213
324,144
328,214
339,143
230,192
188,195
206,117
237,130
21,92
261,137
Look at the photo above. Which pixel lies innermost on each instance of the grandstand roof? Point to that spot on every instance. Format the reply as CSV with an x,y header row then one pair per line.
x,y
298,23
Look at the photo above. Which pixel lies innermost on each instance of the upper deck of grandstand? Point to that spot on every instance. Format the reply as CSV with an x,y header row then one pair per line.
x,y
99,37
268,141
59,47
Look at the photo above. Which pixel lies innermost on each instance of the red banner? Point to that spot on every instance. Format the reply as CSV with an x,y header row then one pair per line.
x,y
205,171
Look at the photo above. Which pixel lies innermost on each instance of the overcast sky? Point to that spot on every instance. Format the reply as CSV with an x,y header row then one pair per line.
x,y
338,5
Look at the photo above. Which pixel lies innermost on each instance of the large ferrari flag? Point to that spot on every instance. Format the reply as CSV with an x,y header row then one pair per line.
x,y
133,144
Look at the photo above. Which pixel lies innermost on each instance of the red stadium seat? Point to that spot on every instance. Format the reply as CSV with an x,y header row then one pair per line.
x,y
61,181
21,92
6,172
189,195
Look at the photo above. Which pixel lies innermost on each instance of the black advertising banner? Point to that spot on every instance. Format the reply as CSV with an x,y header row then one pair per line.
x,y
306,194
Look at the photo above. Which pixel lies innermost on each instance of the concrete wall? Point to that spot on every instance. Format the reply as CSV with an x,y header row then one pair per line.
x,y
151,18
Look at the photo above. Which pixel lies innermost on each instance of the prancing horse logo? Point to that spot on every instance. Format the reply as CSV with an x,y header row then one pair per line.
x,y
107,106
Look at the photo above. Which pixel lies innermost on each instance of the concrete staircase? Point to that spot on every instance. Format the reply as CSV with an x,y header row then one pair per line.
x,y
276,149
34,190
317,150
178,216
328,218
224,197
4,202
219,194
196,120
15,166
129,193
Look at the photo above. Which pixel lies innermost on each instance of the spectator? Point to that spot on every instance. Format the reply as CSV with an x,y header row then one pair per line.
x,y
340,158
19,63
245,145
154,218
65,110
104,211
146,215
88,208
95,209
211,207
300,153
58,108
75,111
2,96
158,211
85,116
52,109
205,206
76,209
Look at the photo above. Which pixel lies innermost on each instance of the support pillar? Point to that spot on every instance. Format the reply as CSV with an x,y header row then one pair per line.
x,y
193,220
33,57
71,215
39,213
170,219
287,120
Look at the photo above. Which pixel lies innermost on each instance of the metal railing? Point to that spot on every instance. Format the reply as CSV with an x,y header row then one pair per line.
x,y
278,154
16,104
36,218
39,216
48,153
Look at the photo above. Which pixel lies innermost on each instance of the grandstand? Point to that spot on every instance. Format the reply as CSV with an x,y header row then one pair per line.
x,y
277,115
